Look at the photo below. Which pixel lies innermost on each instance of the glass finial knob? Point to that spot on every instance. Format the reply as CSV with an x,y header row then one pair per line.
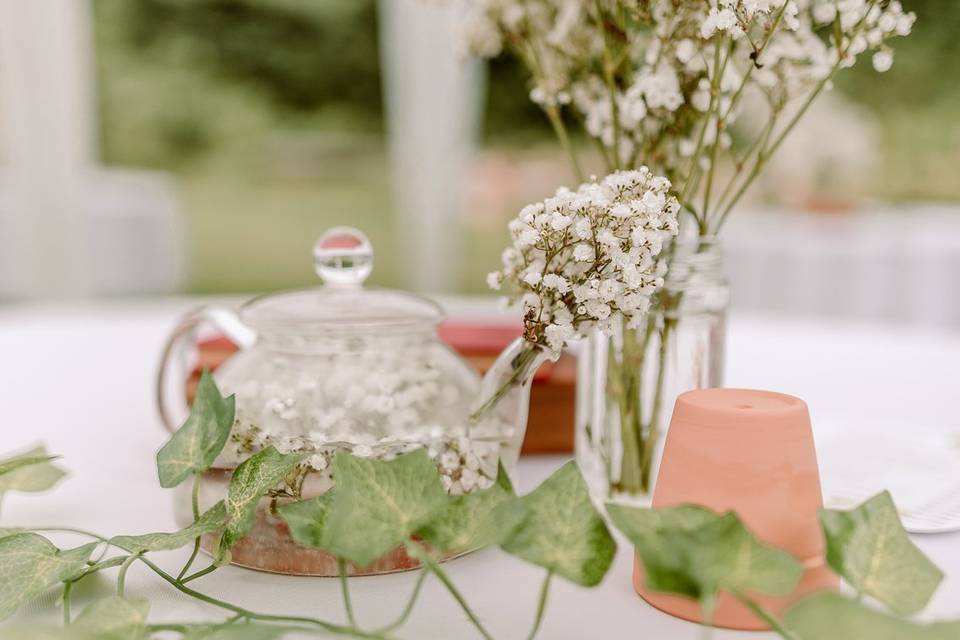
x,y
343,256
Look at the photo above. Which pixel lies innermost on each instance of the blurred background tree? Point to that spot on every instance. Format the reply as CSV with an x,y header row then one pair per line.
x,y
275,106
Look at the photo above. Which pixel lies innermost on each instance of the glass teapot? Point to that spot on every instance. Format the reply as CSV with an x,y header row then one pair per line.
x,y
343,367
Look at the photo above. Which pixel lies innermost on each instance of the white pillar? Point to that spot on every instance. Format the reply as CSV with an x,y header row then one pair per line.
x,y
432,104
46,145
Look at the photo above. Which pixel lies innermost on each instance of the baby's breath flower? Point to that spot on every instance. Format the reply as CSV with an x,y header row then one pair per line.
x,y
883,60
666,98
594,256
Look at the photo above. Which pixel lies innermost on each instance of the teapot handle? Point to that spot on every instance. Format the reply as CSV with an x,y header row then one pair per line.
x,y
182,338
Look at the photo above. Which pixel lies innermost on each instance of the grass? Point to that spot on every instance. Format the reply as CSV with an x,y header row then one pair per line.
x,y
250,229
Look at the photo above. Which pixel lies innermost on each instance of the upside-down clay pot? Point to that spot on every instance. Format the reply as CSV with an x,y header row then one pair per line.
x,y
750,452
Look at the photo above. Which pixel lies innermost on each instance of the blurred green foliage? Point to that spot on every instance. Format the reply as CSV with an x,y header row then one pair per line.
x,y
200,69
180,78
270,111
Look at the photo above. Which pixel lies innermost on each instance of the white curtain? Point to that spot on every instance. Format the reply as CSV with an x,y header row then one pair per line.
x,y
432,107
69,228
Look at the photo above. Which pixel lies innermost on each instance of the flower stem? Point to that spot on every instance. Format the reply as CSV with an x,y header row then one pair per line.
x,y
764,154
560,129
252,615
79,532
122,575
653,428
199,574
345,589
541,605
67,589
608,77
520,369
764,615
408,609
195,504
434,567
626,374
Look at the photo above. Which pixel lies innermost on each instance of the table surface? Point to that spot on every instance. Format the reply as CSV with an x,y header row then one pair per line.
x,y
80,378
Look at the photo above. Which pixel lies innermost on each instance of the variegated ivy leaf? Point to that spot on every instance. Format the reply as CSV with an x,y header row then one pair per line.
x,y
30,471
379,504
832,617
870,549
562,532
251,480
211,520
306,519
478,519
30,564
113,618
694,552
196,444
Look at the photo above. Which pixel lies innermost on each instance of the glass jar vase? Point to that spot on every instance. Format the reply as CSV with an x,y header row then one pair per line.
x,y
628,380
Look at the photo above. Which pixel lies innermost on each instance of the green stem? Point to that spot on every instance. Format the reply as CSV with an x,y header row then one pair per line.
x,y
122,575
608,78
80,532
408,609
560,129
252,615
433,566
764,154
758,144
195,504
541,605
182,628
67,589
520,368
627,376
718,130
708,606
199,574
345,589
694,166
764,615
653,429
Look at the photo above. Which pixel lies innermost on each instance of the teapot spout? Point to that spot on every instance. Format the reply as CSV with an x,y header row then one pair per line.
x,y
504,396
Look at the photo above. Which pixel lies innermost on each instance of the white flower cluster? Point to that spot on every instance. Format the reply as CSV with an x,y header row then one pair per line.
x,y
668,87
584,258
375,397
465,465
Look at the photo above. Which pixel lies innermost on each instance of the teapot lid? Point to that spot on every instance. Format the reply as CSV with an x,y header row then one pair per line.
x,y
343,258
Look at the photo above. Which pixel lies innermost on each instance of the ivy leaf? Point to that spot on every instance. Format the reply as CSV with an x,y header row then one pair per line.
x,y
251,480
478,519
113,618
196,444
378,504
562,532
211,520
870,549
29,564
665,563
31,471
830,616
249,631
692,551
306,519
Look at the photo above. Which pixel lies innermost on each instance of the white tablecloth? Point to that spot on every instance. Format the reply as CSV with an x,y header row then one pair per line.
x,y
81,379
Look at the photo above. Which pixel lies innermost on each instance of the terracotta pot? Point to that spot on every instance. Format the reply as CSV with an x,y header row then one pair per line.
x,y
751,452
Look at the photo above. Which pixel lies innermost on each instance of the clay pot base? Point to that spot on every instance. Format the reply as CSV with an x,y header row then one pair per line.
x,y
730,613
268,547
